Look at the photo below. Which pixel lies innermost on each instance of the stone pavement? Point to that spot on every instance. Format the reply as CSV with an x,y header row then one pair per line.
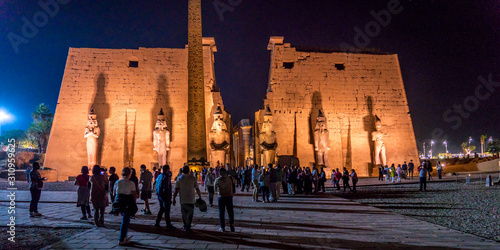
x,y
322,221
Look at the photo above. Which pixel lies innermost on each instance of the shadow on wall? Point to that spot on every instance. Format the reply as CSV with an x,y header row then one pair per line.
x,y
102,110
129,138
369,127
316,105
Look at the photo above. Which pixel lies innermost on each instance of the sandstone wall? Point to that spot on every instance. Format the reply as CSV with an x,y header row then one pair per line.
x,y
126,101
351,89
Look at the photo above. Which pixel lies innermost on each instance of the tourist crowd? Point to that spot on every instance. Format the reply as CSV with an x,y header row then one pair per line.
x,y
268,182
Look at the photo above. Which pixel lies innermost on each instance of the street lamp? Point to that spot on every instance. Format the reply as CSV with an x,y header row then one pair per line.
x,y
424,149
491,139
432,143
470,139
4,116
446,145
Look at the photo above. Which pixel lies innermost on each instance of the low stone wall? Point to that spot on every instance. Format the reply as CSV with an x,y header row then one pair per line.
x,y
489,166
50,174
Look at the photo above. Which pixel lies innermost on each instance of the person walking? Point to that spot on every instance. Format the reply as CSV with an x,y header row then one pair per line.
x,y
203,174
410,169
399,172
333,179
338,177
224,188
345,179
264,185
113,177
392,173
279,180
439,168
156,173
145,180
186,185
387,173
273,179
244,179
291,179
126,194
98,195
404,167
255,182
163,191
284,180
354,178
322,180
315,179
429,169
36,185
380,172
135,180
209,186
308,181
83,183
423,175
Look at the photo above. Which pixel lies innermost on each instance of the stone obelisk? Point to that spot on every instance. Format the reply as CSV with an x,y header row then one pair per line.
x,y
197,147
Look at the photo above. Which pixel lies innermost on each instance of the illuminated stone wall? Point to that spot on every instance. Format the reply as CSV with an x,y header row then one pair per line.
x,y
126,101
351,89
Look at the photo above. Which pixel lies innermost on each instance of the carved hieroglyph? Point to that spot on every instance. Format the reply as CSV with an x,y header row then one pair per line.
x,y
196,88
378,138
161,139
321,140
219,140
267,138
92,133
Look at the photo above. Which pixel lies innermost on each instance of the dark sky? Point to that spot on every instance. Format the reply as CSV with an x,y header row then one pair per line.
x,y
443,47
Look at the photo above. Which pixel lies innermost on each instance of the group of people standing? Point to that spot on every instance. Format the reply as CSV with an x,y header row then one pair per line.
x,y
102,187
270,181
345,176
389,174
405,171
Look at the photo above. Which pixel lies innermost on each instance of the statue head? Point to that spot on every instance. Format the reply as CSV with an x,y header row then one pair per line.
x,y
378,123
161,124
321,122
219,125
92,121
267,125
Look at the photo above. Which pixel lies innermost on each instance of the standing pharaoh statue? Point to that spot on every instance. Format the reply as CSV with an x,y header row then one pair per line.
x,y
161,139
92,133
267,138
378,138
321,140
219,140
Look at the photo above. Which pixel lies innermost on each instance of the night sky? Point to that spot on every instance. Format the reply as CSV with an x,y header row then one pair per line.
x,y
443,48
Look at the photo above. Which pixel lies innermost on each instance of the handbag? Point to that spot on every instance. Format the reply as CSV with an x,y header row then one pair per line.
x,y
201,204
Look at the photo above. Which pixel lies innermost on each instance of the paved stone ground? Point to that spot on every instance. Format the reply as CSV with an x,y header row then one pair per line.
x,y
322,221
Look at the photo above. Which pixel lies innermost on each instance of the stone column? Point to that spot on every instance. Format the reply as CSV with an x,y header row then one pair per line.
x,y
246,142
197,147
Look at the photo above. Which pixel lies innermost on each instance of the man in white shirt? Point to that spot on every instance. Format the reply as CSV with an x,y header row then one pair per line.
x,y
186,185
